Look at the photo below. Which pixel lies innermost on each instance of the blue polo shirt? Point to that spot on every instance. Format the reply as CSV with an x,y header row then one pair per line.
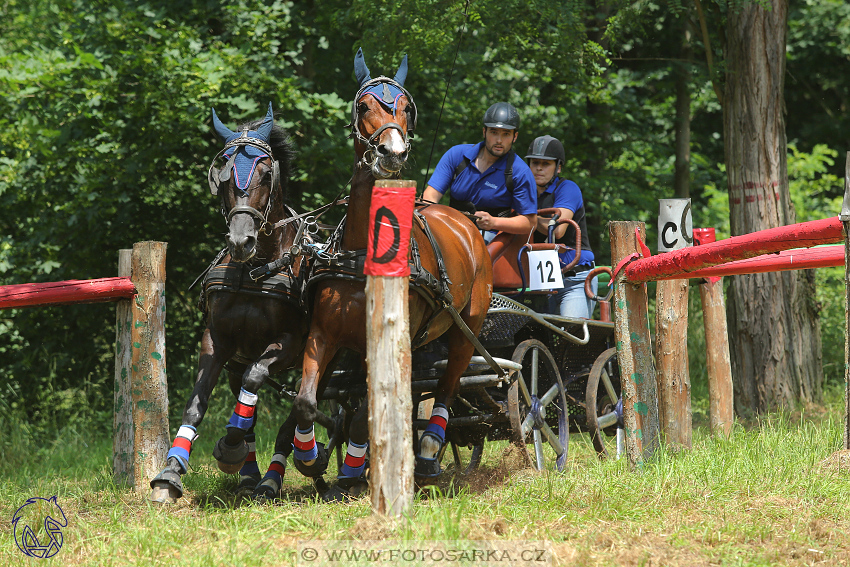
x,y
486,189
568,196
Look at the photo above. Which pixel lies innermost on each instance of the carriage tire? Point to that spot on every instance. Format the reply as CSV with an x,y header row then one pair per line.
x,y
601,386
537,406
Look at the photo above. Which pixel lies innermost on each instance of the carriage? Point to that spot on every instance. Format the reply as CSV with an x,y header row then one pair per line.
x,y
556,376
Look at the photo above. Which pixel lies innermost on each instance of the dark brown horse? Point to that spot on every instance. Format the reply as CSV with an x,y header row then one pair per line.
x,y
383,117
254,316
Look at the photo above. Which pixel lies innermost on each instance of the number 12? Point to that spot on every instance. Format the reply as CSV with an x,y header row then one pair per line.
x,y
551,267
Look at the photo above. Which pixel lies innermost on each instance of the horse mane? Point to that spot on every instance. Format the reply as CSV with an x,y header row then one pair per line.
x,y
282,151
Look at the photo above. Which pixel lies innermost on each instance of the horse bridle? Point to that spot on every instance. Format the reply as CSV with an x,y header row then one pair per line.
x,y
216,176
371,141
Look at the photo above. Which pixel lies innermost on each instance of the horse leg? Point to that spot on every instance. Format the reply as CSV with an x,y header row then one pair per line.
x,y
309,457
232,450
249,474
432,440
351,480
167,486
269,487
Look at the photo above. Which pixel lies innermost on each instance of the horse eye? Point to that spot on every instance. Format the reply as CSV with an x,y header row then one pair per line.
x,y
362,108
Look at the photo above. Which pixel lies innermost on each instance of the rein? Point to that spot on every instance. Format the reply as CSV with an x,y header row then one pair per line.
x,y
448,84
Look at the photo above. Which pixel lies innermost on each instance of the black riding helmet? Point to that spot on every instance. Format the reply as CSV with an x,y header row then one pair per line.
x,y
502,115
546,147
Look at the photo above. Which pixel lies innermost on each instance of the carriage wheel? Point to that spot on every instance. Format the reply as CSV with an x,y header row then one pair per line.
x,y
601,396
537,406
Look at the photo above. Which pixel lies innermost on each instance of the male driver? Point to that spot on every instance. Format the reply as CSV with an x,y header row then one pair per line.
x,y
491,176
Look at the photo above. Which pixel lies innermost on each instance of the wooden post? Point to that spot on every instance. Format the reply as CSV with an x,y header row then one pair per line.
x,y
721,409
675,231
845,221
634,350
149,389
388,347
122,419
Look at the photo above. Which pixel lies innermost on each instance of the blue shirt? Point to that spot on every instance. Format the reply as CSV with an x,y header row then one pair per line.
x,y
486,189
568,196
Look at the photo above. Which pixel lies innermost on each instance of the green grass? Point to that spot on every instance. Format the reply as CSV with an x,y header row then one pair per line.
x,y
762,497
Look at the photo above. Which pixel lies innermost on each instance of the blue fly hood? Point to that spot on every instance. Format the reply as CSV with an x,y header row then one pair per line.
x,y
384,92
243,158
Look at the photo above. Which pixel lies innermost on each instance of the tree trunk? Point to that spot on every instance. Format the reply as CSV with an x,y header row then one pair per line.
x,y
682,176
773,322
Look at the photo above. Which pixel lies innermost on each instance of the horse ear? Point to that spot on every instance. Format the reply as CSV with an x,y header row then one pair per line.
x,y
401,74
361,71
264,130
223,131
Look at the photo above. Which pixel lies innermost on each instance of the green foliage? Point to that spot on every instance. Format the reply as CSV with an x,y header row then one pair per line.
x,y
105,132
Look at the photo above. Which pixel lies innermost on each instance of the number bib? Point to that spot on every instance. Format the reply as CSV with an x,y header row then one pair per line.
x,y
544,270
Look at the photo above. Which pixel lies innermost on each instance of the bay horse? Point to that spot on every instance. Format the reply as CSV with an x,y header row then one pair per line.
x,y
252,301
382,121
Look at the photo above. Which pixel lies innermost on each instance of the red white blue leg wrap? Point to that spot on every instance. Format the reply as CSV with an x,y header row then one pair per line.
x,y
250,466
243,415
437,425
304,445
277,468
355,460
182,446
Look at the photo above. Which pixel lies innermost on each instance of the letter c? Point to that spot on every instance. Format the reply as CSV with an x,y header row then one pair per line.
x,y
664,241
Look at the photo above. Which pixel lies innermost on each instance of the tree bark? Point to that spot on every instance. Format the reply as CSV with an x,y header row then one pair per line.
x,y
773,321
682,175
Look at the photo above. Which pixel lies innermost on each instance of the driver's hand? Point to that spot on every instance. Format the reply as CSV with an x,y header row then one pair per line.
x,y
484,220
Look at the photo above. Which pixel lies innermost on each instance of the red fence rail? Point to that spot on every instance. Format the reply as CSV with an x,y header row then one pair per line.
x,y
680,264
825,257
67,292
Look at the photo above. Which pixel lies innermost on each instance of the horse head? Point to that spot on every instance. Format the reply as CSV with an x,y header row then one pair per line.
x,y
251,183
383,117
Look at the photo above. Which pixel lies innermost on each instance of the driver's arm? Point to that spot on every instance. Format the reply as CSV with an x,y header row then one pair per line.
x,y
431,194
561,229
520,224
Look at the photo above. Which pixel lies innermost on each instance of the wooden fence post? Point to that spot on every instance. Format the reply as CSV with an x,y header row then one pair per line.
x,y
634,349
149,389
388,347
845,222
122,419
675,231
721,409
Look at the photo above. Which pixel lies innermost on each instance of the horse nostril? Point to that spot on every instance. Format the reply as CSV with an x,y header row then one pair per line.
x,y
242,247
382,150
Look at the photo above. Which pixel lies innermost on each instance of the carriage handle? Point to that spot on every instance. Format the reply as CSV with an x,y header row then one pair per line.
x,y
593,273
554,222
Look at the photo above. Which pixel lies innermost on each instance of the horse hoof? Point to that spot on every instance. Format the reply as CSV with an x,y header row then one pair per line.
x,y
266,491
247,484
349,493
164,493
426,469
230,458
166,487
316,469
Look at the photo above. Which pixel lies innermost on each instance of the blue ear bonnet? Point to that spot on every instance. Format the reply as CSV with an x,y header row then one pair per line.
x,y
245,156
246,161
385,93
